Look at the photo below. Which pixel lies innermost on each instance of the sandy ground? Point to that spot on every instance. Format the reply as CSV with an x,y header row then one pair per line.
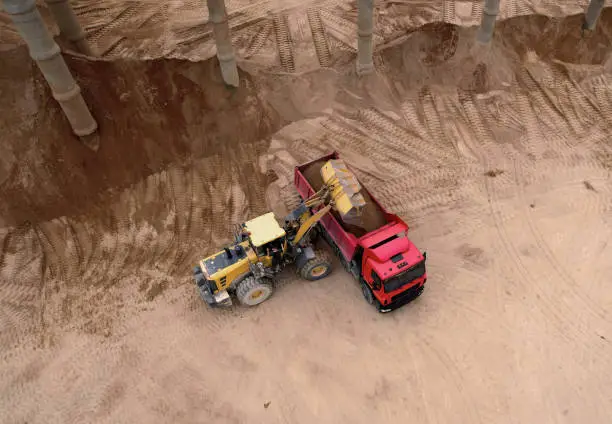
x,y
499,158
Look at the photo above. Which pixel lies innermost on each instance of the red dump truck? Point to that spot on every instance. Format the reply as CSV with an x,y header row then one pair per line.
x,y
378,253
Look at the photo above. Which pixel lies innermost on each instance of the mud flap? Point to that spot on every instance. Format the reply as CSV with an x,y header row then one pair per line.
x,y
305,255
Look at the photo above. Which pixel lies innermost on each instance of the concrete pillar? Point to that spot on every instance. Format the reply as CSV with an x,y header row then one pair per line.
x,y
68,25
365,27
592,14
225,51
487,25
47,55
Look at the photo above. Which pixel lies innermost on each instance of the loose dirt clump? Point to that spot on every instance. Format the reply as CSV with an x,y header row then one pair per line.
x,y
494,173
155,290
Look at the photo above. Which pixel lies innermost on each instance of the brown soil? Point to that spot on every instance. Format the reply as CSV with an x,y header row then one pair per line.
x,y
150,114
99,317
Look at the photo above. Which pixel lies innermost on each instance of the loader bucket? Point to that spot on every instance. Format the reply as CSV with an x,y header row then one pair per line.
x,y
344,190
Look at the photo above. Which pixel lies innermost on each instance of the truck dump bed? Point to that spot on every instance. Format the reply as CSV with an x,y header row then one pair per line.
x,y
308,180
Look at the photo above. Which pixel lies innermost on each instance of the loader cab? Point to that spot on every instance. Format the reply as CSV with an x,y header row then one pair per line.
x,y
265,235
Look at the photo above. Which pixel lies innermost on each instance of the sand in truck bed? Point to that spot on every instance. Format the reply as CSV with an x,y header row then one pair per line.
x,y
372,216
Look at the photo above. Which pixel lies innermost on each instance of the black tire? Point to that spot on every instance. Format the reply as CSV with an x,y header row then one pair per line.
x,y
317,268
420,292
251,292
367,293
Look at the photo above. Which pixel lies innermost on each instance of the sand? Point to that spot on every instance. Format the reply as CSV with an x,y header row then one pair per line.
x,y
498,158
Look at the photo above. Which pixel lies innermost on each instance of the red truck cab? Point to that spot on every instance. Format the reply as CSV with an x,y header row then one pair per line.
x,y
389,267
392,266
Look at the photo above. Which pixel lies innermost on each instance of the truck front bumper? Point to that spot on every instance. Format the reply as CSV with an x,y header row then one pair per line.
x,y
403,298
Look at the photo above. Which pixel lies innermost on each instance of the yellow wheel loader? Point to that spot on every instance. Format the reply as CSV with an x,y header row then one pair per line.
x,y
262,247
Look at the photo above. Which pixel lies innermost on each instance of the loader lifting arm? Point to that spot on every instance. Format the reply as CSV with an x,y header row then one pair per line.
x,y
340,191
309,222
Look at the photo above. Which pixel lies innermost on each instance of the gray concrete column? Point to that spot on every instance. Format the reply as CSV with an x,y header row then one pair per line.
x,y
47,55
225,51
487,25
68,25
592,14
365,27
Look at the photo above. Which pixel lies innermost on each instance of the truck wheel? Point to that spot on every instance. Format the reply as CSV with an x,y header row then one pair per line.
x,y
420,291
251,292
317,268
367,293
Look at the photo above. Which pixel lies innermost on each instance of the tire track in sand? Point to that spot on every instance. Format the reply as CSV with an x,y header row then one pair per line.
x,y
451,374
411,116
284,42
602,90
319,37
104,41
510,6
21,264
448,11
377,127
51,246
428,191
432,119
562,316
340,137
491,192
260,39
182,186
477,7
83,237
401,141
555,267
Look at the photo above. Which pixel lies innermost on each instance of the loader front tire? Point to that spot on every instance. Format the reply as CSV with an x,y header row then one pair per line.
x,y
251,292
317,268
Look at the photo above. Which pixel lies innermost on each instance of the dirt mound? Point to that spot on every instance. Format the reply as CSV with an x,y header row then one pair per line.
x,y
288,36
446,55
150,114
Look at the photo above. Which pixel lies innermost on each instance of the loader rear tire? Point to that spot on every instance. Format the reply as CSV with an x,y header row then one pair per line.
x,y
251,292
317,268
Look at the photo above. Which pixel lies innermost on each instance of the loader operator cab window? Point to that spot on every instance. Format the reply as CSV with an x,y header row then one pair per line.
x,y
274,249
268,248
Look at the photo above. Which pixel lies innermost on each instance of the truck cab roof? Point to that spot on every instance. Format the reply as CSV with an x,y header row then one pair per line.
x,y
384,235
385,245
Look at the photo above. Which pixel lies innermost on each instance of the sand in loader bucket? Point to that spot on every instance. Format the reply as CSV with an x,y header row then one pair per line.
x,y
372,217
345,191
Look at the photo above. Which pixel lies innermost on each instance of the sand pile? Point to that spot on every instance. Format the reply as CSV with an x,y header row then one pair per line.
x,y
499,159
150,114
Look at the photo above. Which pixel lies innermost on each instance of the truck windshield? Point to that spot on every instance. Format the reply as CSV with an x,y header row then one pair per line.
x,y
405,277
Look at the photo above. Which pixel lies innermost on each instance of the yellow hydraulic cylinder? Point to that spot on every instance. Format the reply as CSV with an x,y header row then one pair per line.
x,y
344,190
